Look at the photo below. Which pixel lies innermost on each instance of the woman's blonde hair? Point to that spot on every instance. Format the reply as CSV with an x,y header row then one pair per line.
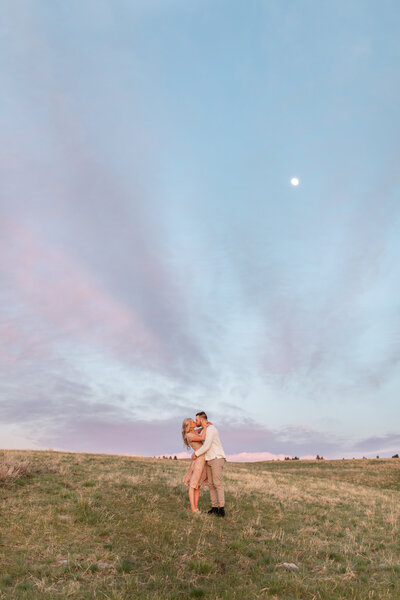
x,y
186,426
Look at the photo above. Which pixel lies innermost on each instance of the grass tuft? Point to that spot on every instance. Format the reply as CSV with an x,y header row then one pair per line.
x,y
13,470
126,565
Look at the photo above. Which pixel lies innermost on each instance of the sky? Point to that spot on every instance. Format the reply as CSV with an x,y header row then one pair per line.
x,y
155,260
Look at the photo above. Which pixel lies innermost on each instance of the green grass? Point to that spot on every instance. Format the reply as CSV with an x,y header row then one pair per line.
x,y
86,526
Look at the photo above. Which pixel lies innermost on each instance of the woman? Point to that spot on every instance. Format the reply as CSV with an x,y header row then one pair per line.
x,y
196,475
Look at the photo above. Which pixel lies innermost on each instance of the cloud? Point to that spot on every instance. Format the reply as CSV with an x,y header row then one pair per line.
x,y
64,300
89,229
43,410
381,445
144,438
297,440
72,418
260,456
311,300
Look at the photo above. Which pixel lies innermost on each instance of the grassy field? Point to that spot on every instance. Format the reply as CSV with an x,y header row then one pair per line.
x,y
86,526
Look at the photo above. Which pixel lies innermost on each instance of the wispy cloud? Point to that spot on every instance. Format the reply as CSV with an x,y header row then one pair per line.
x,y
381,445
71,417
64,300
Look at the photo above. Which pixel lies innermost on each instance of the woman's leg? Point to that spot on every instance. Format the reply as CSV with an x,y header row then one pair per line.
x,y
196,497
192,492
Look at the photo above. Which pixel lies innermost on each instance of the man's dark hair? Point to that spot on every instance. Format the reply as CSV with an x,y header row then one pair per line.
x,y
202,415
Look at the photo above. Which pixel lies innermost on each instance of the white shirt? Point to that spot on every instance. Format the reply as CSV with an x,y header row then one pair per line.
x,y
212,446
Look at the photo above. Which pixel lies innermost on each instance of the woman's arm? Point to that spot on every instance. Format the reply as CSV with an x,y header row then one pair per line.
x,y
195,437
200,437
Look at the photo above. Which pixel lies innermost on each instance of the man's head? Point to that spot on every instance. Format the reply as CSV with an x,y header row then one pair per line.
x,y
201,418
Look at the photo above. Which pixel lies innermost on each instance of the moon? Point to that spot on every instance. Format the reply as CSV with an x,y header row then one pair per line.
x,y
295,181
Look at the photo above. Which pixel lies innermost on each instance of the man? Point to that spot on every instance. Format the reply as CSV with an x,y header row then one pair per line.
x,y
215,460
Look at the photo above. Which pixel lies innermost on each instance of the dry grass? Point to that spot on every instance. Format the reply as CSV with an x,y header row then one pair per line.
x,y
86,526
12,468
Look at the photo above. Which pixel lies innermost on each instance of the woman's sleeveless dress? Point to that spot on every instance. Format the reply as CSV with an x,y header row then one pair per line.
x,y
196,475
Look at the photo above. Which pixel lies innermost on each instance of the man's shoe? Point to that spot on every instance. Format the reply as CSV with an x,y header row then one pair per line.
x,y
213,510
221,512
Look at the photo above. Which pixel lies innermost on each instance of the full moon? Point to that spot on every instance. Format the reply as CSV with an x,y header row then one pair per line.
x,y
295,181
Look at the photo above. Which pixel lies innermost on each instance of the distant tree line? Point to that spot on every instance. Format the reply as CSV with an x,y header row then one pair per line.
x,y
318,457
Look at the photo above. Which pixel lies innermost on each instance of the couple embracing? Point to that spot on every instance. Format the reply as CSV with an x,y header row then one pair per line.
x,y
207,463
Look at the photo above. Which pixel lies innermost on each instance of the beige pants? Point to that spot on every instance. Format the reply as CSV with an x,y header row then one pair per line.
x,y
214,477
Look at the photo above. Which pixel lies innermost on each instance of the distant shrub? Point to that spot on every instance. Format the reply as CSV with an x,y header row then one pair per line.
x,y
395,456
175,457
318,457
295,458
287,457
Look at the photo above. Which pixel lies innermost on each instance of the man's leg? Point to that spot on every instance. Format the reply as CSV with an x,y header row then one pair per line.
x,y
213,491
216,467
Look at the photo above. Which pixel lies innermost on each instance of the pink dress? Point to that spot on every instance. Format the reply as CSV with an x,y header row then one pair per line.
x,y
196,475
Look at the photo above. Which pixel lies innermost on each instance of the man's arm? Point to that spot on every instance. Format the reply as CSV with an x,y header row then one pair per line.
x,y
207,442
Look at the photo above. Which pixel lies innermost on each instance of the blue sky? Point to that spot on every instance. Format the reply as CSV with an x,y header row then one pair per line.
x,y
154,258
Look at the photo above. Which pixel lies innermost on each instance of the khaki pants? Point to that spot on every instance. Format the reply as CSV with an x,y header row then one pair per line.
x,y
214,477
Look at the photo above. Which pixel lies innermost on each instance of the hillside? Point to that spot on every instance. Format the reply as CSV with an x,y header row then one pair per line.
x,y
86,526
